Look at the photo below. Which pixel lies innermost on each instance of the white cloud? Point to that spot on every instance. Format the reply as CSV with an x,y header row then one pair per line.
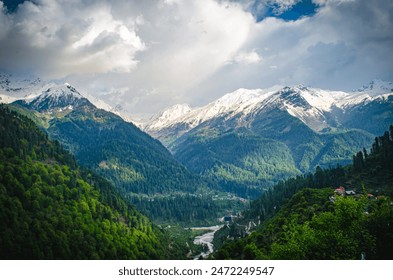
x,y
192,39
150,54
283,5
247,57
344,45
186,43
58,38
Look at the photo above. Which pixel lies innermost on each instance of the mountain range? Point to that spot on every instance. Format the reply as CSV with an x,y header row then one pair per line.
x,y
138,165
242,143
250,139
321,110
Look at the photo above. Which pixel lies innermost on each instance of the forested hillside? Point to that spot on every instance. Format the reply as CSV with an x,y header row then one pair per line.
x,y
337,213
277,146
139,166
52,209
238,161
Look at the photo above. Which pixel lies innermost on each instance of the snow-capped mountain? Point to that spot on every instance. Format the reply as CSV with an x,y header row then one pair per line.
x,y
375,90
317,108
27,89
165,118
258,137
186,117
58,98
376,87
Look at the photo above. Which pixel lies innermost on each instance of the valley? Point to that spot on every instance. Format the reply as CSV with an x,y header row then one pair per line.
x,y
244,157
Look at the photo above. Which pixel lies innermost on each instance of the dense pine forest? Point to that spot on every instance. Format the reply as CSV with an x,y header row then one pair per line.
x,y
52,209
335,213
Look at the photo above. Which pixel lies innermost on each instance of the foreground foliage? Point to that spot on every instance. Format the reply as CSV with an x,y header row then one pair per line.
x,y
52,209
309,226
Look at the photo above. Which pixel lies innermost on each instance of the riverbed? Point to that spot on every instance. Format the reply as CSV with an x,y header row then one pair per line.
x,y
206,239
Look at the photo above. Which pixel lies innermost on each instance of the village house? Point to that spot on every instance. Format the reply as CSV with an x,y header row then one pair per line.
x,y
340,191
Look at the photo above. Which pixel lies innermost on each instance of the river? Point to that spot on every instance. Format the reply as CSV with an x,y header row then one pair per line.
x,y
206,239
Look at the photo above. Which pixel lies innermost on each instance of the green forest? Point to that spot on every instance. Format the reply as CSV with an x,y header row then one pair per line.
x,y
249,159
187,209
308,218
241,163
52,209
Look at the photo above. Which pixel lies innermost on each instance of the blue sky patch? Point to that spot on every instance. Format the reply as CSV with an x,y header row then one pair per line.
x,y
299,10
11,5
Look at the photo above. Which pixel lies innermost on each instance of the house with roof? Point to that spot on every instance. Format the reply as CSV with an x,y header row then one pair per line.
x,y
340,191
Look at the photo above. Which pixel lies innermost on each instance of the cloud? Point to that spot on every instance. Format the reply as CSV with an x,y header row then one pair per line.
x,y
192,40
343,46
57,38
166,46
186,43
283,5
4,22
147,55
247,57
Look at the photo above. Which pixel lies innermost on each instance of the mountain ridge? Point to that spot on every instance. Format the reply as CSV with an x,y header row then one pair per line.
x,y
307,127
25,89
316,104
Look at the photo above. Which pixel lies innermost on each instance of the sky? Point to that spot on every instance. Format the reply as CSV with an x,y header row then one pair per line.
x,y
148,55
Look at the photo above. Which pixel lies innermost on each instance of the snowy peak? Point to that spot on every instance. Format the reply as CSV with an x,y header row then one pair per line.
x,y
307,104
239,101
294,96
58,98
376,87
308,97
237,97
46,96
175,112
314,107
168,116
376,90
304,103
61,91
182,113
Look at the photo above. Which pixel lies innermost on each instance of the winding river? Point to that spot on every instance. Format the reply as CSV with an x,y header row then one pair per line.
x,y
206,239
